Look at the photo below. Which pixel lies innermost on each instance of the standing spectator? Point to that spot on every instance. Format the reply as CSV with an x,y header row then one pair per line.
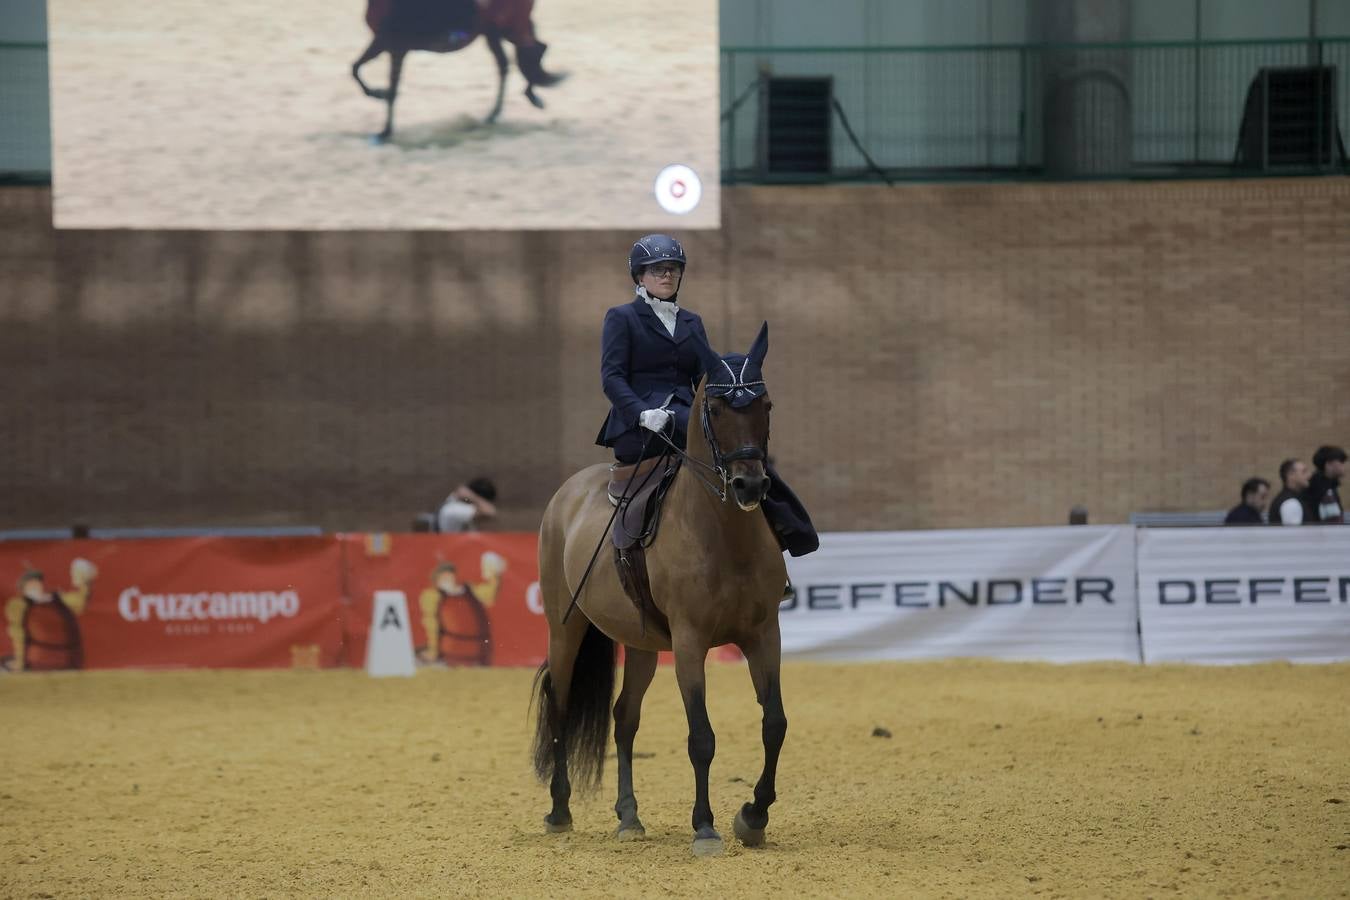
x,y
1322,500
1287,507
1255,492
468,507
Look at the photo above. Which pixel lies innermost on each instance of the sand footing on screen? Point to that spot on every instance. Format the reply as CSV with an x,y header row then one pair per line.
x,y
244,115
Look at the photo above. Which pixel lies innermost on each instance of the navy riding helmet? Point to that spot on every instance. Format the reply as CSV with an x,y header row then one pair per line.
x,y
653,248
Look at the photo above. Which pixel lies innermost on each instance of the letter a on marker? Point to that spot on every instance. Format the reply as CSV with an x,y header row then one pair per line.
x,y
389,650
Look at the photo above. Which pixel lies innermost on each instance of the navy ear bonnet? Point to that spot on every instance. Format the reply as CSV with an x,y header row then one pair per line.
x,y
737,378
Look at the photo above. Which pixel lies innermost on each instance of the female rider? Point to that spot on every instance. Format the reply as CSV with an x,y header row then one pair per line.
x,y
650,367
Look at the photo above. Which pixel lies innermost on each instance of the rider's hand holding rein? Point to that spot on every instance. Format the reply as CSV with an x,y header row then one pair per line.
x,y
654,419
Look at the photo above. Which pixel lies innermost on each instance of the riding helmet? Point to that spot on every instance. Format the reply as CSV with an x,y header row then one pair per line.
x,y
653,248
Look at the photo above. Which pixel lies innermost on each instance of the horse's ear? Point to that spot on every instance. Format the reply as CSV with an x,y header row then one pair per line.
x,y
709,357
760,348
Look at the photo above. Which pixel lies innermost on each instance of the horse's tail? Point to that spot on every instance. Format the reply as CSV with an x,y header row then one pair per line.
x,y
585,721
530,60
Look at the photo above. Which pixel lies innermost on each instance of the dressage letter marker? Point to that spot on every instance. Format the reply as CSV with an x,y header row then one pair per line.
x,y
389,650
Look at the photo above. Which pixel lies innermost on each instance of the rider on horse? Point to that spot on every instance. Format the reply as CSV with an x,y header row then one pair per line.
x,y
650,366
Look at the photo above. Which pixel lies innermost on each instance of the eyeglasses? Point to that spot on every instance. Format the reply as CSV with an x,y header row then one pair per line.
x,y
663,271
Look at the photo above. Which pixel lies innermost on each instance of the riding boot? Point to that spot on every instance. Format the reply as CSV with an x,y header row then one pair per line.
x,y
788,517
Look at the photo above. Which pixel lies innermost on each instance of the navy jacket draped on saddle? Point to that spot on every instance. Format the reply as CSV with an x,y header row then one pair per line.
x,y
641,363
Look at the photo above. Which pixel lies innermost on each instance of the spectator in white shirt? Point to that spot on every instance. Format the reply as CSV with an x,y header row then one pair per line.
x,y
468,507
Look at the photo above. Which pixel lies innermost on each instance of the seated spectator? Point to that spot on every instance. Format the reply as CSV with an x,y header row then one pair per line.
x,y
468,507
1255,491
1322,500
1287,507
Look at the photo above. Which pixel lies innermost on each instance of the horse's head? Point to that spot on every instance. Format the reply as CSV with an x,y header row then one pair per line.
x,y
735,419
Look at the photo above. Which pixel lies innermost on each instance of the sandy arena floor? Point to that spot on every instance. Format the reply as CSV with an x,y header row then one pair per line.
x,y
181,114
1001,780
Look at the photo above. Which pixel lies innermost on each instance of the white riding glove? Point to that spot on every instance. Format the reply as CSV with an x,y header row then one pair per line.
x,y
654,419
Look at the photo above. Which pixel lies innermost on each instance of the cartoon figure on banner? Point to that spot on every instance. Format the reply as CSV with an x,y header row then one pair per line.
x,y
43,624
454,614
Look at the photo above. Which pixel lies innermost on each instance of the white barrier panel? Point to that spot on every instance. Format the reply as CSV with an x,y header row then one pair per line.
x,y
1059,594
1240,595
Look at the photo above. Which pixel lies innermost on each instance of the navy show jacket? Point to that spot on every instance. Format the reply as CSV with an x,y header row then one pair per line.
x,y
641,364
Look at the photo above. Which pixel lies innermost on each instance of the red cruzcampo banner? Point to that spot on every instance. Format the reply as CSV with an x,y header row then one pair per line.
x,y
183,602
473,598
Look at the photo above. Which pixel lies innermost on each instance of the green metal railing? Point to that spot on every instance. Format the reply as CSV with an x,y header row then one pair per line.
x,y
25,118
1163,109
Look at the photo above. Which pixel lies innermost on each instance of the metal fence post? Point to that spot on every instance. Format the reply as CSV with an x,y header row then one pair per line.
x,y
731,120
1022,154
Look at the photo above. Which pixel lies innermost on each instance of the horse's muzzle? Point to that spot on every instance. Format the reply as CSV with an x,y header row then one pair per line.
x,y
749,491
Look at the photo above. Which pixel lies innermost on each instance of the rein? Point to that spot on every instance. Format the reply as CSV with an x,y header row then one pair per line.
x,y
718,469
628,493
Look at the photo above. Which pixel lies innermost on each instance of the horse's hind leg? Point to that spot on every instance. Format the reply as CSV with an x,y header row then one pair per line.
x,y
494,42
563,647
690,654
763,657
639,667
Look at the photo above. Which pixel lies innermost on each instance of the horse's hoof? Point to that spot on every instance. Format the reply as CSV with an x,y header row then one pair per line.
x,y
750,837
557,827
708,843
631,833
379,140
530,96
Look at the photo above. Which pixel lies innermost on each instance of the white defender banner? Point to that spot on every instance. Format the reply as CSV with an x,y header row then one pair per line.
x,y
1059,594
1241,595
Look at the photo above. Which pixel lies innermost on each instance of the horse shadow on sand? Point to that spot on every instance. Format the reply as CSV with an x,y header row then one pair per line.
x,y
464,129
460,130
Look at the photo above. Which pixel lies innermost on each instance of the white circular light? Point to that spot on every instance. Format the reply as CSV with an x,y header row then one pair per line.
x,y
678,189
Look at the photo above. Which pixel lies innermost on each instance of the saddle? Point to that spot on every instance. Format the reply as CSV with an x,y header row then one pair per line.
x,y
638,491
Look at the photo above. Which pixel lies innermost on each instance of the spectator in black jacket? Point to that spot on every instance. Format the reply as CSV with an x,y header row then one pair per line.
x,y
1287,507
1255,492
1322,500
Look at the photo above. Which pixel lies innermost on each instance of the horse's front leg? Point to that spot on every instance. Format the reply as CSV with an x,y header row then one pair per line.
x,y
690,654
639,667
374,50
494,42
763,657
395,71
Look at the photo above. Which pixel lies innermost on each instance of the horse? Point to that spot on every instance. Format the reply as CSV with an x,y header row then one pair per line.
x,y
716,576
444,26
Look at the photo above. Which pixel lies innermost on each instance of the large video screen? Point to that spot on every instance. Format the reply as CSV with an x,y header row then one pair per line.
x,y
401,114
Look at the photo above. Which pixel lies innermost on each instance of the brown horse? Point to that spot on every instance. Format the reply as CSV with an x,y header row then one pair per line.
x,y
443,26
717,576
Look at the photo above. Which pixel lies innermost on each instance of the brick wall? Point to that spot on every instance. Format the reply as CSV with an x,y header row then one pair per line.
x,y
940,355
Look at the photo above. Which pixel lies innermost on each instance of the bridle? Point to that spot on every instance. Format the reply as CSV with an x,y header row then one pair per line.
x,y
719,468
